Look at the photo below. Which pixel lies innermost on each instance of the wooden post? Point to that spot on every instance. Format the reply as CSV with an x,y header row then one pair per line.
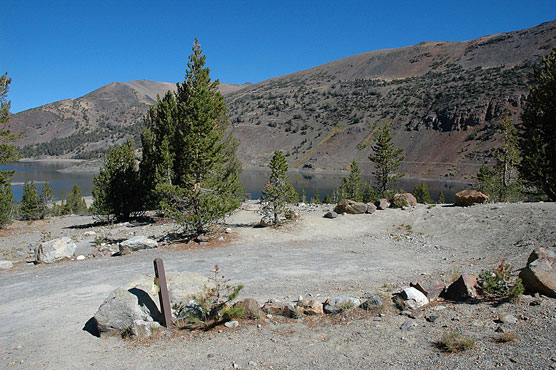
x,y
165,308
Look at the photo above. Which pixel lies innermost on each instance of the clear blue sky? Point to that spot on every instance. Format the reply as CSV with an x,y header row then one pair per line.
x,y
64,49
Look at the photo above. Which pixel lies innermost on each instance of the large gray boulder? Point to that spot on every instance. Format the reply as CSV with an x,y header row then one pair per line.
x,y
55,250
138,242
400,200
182,286
123,307
540,274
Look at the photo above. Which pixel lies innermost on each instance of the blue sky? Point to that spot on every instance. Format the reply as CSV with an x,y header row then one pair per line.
x,y
55,50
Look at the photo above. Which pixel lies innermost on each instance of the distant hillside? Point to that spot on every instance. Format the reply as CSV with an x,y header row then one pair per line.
x,y
443,101
85,127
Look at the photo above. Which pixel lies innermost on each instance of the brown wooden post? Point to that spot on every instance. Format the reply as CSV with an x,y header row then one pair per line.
x,y
165,308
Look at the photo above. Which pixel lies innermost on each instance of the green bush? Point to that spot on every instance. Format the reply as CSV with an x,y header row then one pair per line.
x,y
498,283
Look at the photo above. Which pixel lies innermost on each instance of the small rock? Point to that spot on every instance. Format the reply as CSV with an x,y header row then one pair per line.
x,y
382,204
340,304
5,265
231,324
408,325
278,308
228,230
330,214
373,301
438,308
431,289
89,233
310,307
144,329
138,242
464,288
431,318
251,308
80,257
508,319
417,315
414,299
371,208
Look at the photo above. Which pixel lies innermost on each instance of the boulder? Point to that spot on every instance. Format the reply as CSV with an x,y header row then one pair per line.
x,y
251,308
539,276
330,214
464,288
310,307
351,207
401,200
123,307
370,208
6,265
413,298
138,242
431,289
470,197
182,286
382,204
278,308
55,250
341,304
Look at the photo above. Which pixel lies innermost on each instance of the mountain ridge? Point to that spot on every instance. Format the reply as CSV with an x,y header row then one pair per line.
x,y
442,99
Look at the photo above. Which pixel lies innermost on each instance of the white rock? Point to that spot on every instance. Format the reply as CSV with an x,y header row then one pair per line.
x,y
228,230
231,324
80,257
55,250
5,265
144,329
414,298
89,233
139,242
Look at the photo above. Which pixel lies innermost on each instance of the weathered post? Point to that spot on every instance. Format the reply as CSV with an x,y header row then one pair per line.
x,y
163,293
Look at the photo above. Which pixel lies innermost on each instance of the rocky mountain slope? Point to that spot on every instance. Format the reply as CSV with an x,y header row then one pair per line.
x,y
443,101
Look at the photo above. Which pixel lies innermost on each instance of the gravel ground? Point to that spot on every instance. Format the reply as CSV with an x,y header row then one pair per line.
x,y
45,307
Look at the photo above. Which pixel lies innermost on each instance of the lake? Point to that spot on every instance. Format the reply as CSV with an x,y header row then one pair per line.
x,y
253,181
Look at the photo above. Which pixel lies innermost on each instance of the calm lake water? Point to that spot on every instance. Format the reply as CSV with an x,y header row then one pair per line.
x,y
253,181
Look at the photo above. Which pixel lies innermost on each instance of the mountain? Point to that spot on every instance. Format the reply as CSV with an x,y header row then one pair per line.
x,y
85,127
443,101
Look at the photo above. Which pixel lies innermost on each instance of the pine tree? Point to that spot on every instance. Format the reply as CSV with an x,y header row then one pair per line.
x,y
421,193
8,153
327,199
275,193
387,160
31,206
537,134
47,197
370,194
352,186
441,198
75,202
501,182
116,187
6,204
202,184
316,197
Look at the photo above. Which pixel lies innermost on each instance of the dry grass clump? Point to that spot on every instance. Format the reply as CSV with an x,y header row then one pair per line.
x,y
507,337
453,342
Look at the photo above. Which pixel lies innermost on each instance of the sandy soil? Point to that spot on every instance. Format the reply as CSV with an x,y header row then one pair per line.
x,y
45,307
